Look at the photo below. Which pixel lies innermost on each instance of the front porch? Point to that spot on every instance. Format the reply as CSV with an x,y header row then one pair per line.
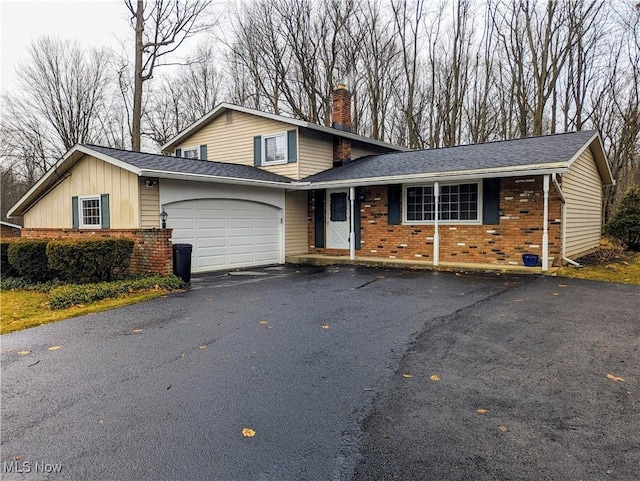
x,y
327,260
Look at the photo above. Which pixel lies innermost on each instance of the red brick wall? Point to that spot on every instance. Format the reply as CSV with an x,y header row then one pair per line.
x,y
152,251
519,231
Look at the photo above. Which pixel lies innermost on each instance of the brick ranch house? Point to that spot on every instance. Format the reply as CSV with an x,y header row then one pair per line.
x,y
248,188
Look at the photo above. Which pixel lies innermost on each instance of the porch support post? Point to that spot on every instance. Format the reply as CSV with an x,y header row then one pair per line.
x,y
436,219
352,224
545,224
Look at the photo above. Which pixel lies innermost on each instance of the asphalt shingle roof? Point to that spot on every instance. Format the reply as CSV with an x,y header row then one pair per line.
x,y
546,149
165,163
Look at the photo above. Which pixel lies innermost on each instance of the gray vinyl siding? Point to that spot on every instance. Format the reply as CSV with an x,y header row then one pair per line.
x,y
582,189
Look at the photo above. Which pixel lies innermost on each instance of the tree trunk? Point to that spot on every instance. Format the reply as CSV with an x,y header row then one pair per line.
x,y
137,82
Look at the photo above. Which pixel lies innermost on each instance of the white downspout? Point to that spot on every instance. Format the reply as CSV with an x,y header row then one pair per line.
x,y
436,234
545,224
352,224
564,223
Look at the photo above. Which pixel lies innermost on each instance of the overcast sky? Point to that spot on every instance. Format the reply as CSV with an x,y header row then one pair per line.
x,y
93,22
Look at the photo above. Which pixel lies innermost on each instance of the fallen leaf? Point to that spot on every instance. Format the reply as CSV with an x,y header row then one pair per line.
x,y
24,352
555,294
562,285
202,347
435,378
615,378
263,322
137,330
15,458
503,429
326,326
182,354
248,433
54,348
407,375
101,421
482,411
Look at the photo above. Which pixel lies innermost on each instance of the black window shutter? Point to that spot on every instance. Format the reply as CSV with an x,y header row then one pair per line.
x,y
318,202
104,211
356,216
178,152
395,195
292,150
203,152
257,151
75,213
491,201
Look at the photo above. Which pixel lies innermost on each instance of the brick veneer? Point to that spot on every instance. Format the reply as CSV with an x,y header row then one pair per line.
x,y
152,251
519,231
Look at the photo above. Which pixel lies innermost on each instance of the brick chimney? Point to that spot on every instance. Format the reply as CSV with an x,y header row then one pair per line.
x,y
341,120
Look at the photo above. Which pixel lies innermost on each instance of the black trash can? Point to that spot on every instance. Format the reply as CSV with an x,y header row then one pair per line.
x,y
182,261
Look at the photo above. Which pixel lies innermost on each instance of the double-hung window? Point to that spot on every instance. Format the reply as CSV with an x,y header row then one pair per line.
x,y
90,211
457,203
274,149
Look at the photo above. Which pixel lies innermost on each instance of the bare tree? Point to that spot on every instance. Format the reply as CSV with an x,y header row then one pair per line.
x,y
408,19
60,101
161,27
184,97
12,187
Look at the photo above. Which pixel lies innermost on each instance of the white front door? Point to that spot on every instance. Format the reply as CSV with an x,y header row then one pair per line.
x,y
338,219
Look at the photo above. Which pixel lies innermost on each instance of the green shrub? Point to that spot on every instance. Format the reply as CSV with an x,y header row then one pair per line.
x,y
29,258
24,284
74,294
90,260
625,224
6,269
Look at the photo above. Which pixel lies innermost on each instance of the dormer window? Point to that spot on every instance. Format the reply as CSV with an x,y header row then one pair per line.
x,y
274,149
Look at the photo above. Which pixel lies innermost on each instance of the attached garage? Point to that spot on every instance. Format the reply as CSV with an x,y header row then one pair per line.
x,y
227,233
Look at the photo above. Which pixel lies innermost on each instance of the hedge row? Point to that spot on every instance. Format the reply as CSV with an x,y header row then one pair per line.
x,y
73,294
89,260
71,260
6,269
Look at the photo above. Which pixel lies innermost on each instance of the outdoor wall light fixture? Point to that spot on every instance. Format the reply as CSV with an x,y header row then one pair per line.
x,y
163,218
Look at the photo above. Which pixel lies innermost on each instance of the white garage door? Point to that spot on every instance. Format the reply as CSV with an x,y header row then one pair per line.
x,y
226,233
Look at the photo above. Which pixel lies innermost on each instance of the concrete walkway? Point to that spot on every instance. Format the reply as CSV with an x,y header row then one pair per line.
x,y
327,260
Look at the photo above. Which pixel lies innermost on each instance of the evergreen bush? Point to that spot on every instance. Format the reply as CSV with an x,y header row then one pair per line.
x,y
90,260
29,258
624,226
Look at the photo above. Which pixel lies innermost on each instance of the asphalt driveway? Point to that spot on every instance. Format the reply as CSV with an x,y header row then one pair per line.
x,y
312,360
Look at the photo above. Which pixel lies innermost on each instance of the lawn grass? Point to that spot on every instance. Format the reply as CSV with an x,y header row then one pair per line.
x,y
24,309
624,269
